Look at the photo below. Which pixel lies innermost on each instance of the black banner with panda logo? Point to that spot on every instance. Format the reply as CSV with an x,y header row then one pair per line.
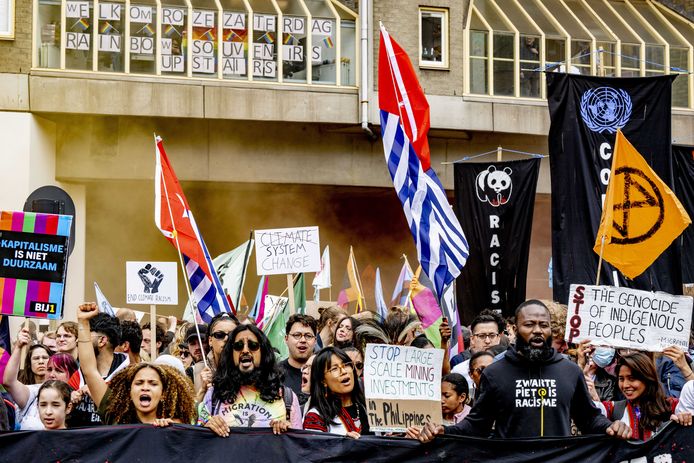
x,y
585,114
683,157
494,203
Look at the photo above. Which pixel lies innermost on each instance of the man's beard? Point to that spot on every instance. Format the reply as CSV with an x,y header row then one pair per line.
x,y
534,354
249,378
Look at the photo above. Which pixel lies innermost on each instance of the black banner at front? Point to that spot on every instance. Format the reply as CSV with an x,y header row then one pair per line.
x,y
186,443
585,113
683,157
494,203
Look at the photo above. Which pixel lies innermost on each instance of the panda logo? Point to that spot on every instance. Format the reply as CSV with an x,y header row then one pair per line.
x,y
494,186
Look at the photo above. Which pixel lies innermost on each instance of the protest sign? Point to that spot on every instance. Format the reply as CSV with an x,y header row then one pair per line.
x,y
33,263
287,250
151,283
628,318
402,386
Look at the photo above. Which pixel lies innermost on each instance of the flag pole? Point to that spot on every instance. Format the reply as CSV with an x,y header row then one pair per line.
x,y
243,272
290,288
602,248
360,301
191,297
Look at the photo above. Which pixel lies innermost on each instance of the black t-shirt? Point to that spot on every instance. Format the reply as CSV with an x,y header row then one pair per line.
x,y
292,376
85,413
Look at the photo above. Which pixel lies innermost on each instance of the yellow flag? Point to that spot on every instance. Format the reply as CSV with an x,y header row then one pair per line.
x,y
641,216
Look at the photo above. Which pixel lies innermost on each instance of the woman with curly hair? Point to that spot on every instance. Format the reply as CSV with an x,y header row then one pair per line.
x,y
141,393
247,389
646,408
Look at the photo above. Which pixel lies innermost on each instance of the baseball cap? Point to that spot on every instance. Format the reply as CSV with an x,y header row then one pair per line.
x,y
191,333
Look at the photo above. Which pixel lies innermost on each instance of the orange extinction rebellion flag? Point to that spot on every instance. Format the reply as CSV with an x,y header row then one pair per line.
x,y
641,216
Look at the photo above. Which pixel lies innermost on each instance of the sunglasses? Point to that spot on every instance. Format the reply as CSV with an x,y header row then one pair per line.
x,y
359,365
252,345
184,353
220,335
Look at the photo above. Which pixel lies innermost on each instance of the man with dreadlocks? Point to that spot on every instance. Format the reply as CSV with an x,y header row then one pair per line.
x,y
247,388
140,393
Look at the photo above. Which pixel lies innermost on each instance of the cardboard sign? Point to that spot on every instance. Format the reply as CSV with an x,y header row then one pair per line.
x,y
628,318
151,283
402,386
33,263
287,250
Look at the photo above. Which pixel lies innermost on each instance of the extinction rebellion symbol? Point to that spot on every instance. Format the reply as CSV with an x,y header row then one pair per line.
x,y
605,108
639,192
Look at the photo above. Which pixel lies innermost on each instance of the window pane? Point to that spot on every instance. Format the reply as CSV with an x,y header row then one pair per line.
x,y
503,46
555,50
432,45
580,52
478,43
348,52
503,78
478,76
607,56
234,44
323,54
110,36
655,57
293,48
680,88
174,22
78,35
263,49
204,43
530,62
630,56
143,27
48,35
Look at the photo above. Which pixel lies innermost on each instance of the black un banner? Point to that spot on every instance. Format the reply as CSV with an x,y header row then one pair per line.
x,y
683,157
494,203
179,443
585,114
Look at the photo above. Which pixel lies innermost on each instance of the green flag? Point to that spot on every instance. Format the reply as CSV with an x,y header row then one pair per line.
x,y
300,294
276,328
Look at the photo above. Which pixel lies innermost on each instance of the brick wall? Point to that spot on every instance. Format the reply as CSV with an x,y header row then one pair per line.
x,y
15,55
401,19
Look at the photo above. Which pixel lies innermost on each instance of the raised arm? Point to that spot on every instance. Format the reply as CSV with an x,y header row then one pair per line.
x,y
18,391
97,385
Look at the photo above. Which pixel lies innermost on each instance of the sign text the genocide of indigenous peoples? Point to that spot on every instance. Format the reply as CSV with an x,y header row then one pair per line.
x,y
33,263
402,386
287,250
628,318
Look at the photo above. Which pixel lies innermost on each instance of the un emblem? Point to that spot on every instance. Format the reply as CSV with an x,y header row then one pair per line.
x,y
605,108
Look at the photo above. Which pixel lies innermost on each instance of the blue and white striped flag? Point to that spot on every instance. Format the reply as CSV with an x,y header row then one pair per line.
x,y
441,245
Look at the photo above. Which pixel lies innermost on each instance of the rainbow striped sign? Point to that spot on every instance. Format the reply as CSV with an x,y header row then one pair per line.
x,y
33,263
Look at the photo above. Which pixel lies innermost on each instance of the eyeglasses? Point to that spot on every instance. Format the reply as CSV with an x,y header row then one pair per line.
x,y
337,370
299,336
252,345
485,336
220,335
359,365
184,353
478,370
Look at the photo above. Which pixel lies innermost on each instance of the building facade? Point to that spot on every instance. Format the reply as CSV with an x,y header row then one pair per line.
x,y
269,111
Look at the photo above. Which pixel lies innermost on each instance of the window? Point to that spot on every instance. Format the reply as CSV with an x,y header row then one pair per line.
x,y
433,38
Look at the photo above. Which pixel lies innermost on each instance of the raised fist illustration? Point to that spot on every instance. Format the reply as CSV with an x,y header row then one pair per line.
x,y
151,278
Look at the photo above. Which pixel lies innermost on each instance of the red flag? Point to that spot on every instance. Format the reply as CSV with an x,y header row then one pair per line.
x,y
172,213
399,93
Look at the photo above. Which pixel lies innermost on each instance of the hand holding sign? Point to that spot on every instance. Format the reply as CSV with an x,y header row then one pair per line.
x,y
23,338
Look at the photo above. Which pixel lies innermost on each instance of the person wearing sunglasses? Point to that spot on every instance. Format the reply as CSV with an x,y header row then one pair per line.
x,y
357,359
247,389
337,403
217,334
300,339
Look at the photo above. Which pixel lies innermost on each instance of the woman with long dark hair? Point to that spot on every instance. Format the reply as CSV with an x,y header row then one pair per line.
x,y
646,408
337,403
35,363
344,332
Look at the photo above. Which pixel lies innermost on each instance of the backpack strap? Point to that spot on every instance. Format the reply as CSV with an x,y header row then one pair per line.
x,y
288,398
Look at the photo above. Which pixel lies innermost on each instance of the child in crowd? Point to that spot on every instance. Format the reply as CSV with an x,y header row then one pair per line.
x,y
54,404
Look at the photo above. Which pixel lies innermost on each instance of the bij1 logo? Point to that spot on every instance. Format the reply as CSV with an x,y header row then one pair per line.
x,y
605,109
494,186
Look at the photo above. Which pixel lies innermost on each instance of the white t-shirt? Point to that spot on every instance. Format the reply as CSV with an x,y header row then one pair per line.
x,y
686,403
28,416
464,369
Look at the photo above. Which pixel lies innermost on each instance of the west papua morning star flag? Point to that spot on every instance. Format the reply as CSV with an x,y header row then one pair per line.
x,y
441,245
176,222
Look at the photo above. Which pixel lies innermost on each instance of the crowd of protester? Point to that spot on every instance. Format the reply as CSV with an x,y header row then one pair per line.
x,y
226,374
